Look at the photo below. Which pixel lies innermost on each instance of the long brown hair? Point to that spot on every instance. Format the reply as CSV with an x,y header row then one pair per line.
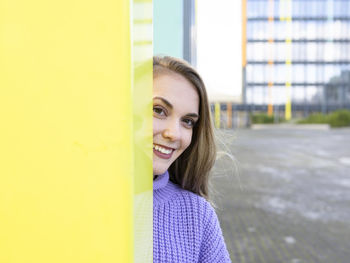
x,y
191,169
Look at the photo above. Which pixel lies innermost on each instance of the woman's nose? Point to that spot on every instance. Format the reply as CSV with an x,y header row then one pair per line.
x,y
172,131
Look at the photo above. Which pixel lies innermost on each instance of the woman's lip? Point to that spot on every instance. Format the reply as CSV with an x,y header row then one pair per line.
x,y
163,155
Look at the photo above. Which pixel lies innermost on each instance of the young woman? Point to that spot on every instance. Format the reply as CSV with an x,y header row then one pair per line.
x,y
185,226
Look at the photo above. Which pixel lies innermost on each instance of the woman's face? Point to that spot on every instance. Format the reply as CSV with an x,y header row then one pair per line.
x,y
175,112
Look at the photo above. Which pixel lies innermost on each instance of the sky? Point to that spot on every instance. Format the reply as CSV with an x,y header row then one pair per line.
x,y
219,55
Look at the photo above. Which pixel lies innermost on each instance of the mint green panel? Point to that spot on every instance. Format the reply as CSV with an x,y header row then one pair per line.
x,y
168,27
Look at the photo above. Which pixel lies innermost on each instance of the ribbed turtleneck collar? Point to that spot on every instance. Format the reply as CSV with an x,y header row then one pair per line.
x,y
161,181
163,189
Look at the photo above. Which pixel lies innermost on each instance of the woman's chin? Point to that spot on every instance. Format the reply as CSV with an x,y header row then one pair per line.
x,y
158,170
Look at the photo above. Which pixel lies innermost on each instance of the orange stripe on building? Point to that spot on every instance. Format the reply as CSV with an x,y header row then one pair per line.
x,y
229,115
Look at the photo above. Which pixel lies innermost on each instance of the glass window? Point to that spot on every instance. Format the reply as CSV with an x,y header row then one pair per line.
x,y
299,30
259,51
295,8
263,9
264,31
310,30
337,28
323,78
346,68
256,73
276,8
346,8
298,94
331,71
298,74
319,51
256,9
280,51
250,53
249,73
320,29
310,6
337,8
322,8
280,30
256,51
279,94
258,29
250,9
256,94
341,51
280,73
259,73
269,73
300,8
311,51
270,51
249,95
345,75
311,73
249,30
298,51
304,91
314,93
319,8
345,29
259,94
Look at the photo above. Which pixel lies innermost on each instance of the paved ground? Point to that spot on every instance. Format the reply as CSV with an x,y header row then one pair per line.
x,y
286,196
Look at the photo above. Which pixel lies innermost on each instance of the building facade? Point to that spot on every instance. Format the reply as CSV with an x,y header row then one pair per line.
x,y
297,55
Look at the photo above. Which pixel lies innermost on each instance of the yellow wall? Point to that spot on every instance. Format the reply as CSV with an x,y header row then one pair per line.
x,y
68,131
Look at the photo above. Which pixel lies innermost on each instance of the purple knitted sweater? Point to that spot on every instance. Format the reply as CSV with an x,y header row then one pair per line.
x,y
185,226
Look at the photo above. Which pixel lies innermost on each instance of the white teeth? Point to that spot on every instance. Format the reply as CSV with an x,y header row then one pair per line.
x,y
161,149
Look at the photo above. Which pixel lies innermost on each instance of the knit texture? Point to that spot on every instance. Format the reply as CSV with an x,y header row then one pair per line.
x,y
185,226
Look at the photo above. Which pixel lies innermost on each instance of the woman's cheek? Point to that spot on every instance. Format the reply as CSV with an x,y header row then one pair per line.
x,y
188,138
156,125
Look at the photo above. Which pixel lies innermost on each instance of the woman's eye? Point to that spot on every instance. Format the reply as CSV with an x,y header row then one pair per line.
x,y
158,111
189,122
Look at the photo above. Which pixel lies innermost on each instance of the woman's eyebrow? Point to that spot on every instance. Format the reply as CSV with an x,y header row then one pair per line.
x,y
194,115
165,102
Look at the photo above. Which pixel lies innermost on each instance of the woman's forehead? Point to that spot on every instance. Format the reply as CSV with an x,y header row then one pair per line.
x,y
177,90
173,82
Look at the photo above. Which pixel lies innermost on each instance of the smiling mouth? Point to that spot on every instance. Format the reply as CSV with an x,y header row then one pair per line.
x,y
162,151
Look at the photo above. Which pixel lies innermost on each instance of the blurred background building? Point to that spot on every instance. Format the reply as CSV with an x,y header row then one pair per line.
x,y
298,54
286,58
